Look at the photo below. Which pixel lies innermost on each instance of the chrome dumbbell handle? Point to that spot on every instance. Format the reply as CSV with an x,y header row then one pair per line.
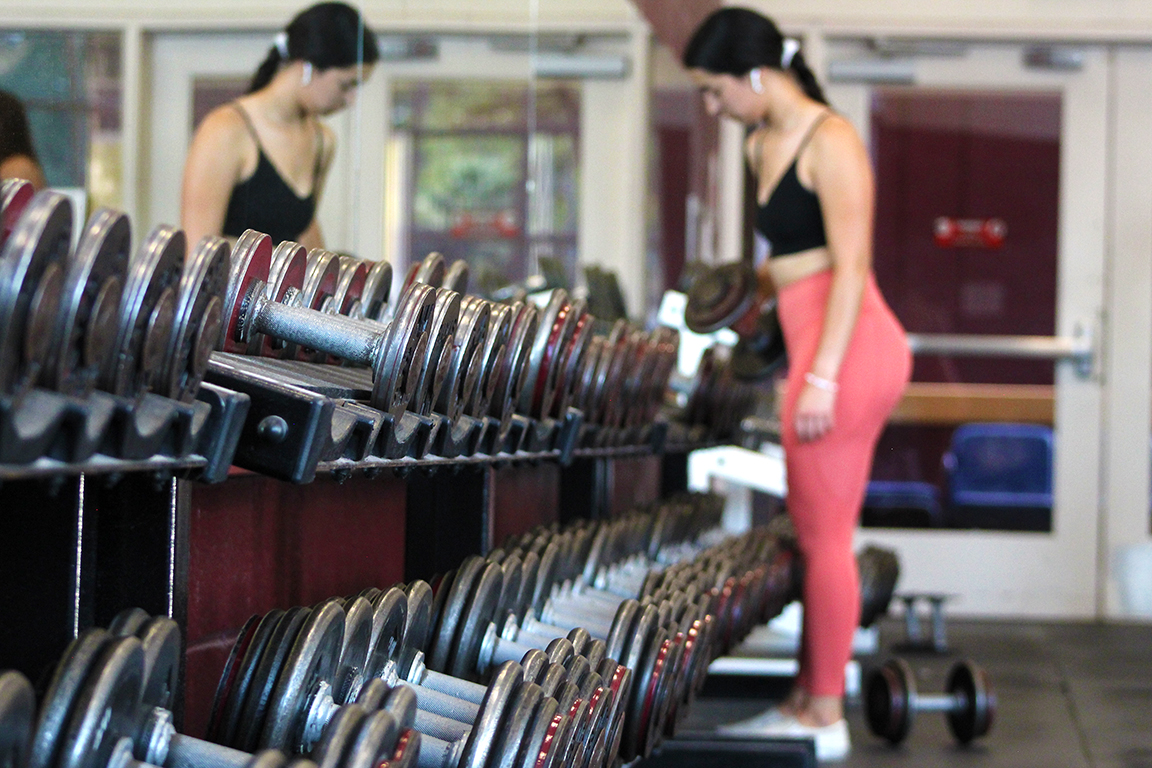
x,y
357,341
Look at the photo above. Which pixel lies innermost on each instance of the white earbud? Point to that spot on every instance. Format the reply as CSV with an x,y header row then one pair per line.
x,y
755,82
306,76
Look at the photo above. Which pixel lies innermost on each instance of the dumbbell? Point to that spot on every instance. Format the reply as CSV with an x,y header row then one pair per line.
x,y
891,701
558,672
392,352
466,641
95,714
278,698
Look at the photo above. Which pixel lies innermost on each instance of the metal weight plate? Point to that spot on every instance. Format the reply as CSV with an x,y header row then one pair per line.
x,y
393,384
288,270
251,265
106,707
359,625
163,652
257,697
199,313
619,679
456,279
432,369
547,381
512,566
228,677
451,612
596,396
17,709
430,271
32,264
321,274
372,694
61,697
529,568
484,736
560,652
888,695
418,628
401,703
579,638
647,694
147,312
550,563
128,622
757,357
548,736
489,358
84,330
586,374
350,286
407,751
391,619
377,289
338,735
547,333
234,688
622,625
535,663
720,296
511,367
572,360
464,371
517,725
313,658
373,742
479,611
15,194
614,402
970,685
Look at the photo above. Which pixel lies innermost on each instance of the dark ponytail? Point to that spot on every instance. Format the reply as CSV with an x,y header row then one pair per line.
x,y
325,35
735,41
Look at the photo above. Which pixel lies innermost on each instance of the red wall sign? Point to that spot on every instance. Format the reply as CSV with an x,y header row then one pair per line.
x,y
969,233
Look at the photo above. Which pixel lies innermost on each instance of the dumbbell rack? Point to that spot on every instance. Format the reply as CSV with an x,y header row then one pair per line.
x,y
80,542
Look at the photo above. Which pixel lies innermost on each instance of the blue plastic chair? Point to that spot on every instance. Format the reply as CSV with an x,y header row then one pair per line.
x,y
902,504
1000,477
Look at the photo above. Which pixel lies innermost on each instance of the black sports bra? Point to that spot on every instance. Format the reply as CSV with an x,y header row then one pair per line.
x,y
791,219
264,201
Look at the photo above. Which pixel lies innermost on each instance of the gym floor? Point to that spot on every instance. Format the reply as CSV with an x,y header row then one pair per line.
x,y
1070,695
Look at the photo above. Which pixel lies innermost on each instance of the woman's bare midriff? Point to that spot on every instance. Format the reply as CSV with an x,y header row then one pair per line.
x,y
785,270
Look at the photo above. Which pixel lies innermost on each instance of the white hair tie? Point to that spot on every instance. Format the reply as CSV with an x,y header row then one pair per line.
x,y
281,44
791,48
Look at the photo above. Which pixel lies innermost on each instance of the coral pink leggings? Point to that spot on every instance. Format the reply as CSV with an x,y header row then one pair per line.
x,y
827,477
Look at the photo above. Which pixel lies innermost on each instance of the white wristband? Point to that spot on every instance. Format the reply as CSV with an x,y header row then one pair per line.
x,y
821,383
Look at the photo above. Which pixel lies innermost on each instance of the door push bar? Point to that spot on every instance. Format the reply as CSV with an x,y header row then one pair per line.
x,y
1079,348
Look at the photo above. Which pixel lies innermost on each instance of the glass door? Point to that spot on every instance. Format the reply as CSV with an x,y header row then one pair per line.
x,y
991,173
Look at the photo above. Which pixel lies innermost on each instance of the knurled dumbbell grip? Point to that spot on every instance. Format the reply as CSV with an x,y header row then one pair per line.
x,y
188,752
453,686
440,727
445,705
351,340
598,623
438,753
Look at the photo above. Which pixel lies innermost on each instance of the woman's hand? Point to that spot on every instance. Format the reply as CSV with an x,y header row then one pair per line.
x,y
814,412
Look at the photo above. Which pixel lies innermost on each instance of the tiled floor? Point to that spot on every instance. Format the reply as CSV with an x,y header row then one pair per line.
x,y
1069,696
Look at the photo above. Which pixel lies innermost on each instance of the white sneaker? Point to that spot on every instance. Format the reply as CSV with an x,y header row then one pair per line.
x,y
753,725
832,741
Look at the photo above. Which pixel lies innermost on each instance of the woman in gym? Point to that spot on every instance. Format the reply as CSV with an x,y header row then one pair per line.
x,y
848,356
260,161
17,157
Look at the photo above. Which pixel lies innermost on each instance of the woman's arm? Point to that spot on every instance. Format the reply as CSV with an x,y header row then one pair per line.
x,y
841,175
213,167
23,167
